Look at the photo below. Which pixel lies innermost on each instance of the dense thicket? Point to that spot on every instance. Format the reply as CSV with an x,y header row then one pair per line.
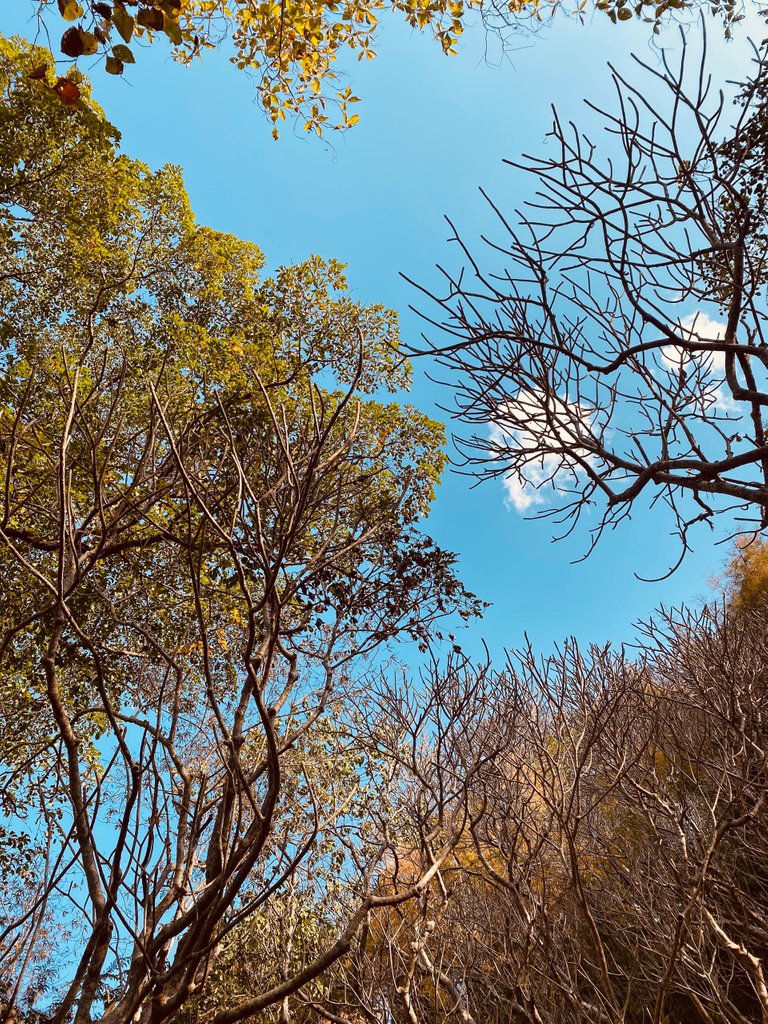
x,y
616,867
613,865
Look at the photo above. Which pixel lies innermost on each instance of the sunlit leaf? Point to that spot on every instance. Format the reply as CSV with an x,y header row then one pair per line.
x,y
90,43
172,29
70,10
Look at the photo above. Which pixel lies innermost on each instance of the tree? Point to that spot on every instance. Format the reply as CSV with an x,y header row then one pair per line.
x,y
747,575
614,349
209,527
418,737
615,870
292,48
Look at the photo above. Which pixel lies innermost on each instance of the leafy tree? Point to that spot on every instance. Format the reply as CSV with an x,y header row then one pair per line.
x,y
613,351
747,575
209,526
292,48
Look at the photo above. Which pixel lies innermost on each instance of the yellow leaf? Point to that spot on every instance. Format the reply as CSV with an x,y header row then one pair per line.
x,y
90,43
70,10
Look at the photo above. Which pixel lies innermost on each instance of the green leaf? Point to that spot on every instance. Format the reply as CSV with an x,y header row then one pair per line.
x,y
123,22
114,66
123,53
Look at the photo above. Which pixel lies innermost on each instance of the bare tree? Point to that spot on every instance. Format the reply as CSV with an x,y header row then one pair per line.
x,y
614,870
609,347
430,738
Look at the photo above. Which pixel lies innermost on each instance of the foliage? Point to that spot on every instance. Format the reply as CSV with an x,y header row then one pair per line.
x,y
210,524
747,575
293,48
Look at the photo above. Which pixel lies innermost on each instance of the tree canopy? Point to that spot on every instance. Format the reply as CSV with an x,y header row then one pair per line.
x,y
295,49
210,522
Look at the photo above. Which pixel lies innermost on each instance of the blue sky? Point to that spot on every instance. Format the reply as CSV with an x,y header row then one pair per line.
x,y
432,130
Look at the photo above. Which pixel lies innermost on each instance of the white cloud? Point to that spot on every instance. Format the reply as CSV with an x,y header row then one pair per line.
x,y
538,433
725,403
697,327
700,327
